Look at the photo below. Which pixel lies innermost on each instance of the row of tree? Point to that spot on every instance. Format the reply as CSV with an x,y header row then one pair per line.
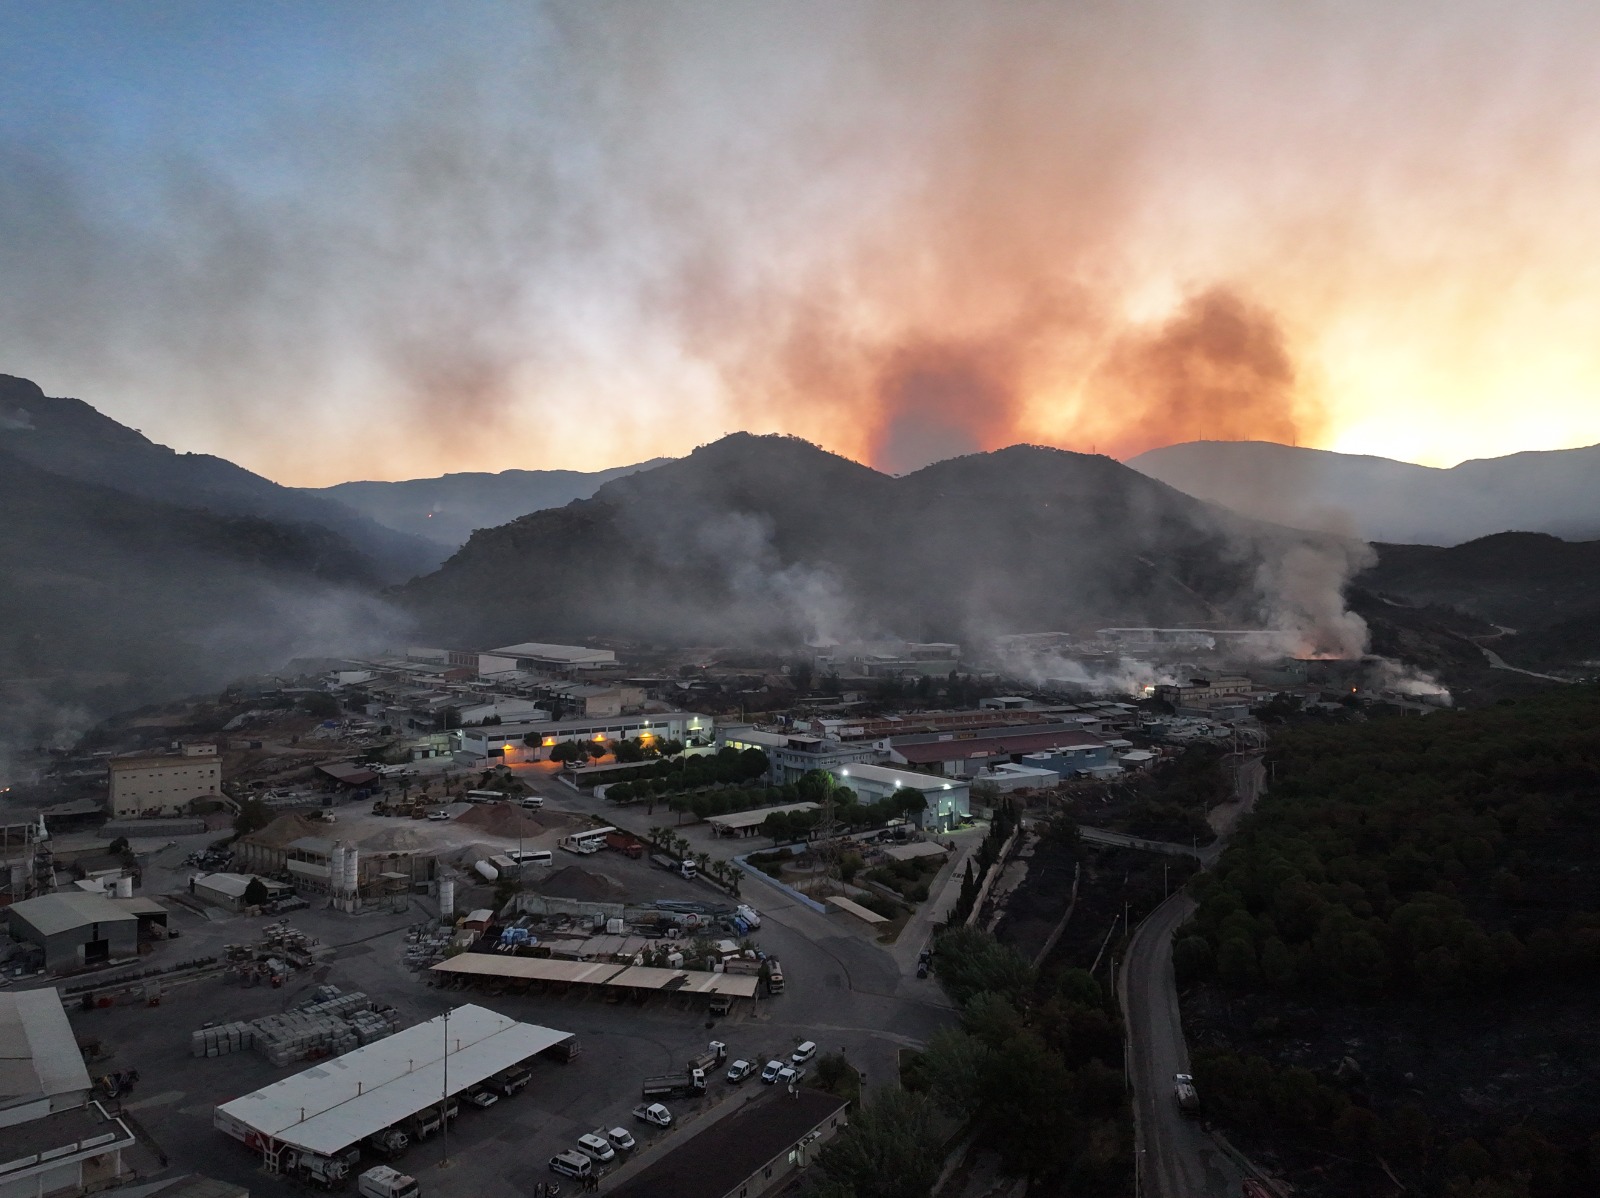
x,y
1001,825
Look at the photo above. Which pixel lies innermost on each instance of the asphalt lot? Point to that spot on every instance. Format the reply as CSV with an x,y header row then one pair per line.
x,y
843,991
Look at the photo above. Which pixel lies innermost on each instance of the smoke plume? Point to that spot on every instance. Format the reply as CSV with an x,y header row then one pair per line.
x,y
592,234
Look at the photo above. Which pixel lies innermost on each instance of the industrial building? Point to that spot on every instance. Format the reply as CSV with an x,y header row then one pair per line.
x,y
795,754
532,657
755,1151
55,1140
947,801
76,929
336,1104
228,890
1075,751
164,785
313,863
532,742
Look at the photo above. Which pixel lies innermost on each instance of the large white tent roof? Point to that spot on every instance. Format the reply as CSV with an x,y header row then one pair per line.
x,y
337,1103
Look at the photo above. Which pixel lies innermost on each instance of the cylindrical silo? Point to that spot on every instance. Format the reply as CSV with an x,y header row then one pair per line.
x,y
336,869
447,897
352,870
125,887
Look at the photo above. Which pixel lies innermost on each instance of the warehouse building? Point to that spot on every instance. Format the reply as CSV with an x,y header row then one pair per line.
x,y
333,1106
754,1152
227,890
947,801
165,785
535,658
75,929
55,1140
513,743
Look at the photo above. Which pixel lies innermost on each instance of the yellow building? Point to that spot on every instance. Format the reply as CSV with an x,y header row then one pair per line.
x,y
164,785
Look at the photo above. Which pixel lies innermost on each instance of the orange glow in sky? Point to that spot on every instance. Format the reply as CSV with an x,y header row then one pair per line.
x,y
588,236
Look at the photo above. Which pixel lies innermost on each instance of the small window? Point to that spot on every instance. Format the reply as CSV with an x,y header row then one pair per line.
x,y
767,1172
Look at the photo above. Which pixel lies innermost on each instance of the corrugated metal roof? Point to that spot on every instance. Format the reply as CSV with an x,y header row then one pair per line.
x,y
39,1055
535,969
330,1106
52,914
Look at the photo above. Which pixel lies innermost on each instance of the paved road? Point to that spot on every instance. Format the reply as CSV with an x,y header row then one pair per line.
x,y
1176,1157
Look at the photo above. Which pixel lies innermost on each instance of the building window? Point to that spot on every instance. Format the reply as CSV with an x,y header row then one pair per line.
x,y
767,1172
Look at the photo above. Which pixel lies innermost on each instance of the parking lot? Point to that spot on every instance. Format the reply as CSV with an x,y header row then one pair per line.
x,y
843,991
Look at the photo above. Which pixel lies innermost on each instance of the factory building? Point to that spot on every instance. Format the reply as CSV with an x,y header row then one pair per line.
x,y
795,754
946,801
1070,751
560,661
164,785
76,929
513,743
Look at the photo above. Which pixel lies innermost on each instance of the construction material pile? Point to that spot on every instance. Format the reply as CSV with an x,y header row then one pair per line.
x,y
427,944
330,1023
501,819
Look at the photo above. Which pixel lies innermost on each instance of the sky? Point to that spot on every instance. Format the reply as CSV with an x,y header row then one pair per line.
x,y
393,240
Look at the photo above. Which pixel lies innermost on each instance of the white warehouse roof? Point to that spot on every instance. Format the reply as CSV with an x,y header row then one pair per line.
x,y
904,779
335,1104
562,654
39,1055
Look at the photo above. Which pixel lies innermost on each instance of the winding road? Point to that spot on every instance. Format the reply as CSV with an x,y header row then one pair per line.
x,y
1174,1156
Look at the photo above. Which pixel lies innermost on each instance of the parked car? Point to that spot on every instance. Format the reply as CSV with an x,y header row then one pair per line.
x,y
804,1053
770,1073
596,1148
438,815
571,1164
621,1139
740,1070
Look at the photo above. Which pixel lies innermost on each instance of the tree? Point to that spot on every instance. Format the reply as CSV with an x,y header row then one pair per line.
x,y
776,825
253,814
595,749
801,673
566,751
256,893
889,1150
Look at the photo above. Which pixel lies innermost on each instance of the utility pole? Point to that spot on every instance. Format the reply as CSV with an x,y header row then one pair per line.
x,y
444,1096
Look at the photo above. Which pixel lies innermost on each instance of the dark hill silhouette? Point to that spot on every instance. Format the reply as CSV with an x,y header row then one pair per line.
x,y
70,438
755,538
448,509
1546,590
108,599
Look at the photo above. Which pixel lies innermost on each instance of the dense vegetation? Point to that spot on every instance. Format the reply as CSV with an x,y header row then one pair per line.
x,y
1444,861
1446,853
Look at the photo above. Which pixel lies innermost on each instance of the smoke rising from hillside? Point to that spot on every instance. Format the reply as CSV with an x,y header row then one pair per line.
x,y
901,236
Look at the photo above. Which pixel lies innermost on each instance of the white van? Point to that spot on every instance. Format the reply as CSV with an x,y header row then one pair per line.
x,y
533,802
804,1053
572,1164
532,856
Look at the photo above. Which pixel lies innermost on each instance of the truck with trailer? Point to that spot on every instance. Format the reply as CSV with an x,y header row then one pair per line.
x,y
684,869
626,844
683,1084
381,1181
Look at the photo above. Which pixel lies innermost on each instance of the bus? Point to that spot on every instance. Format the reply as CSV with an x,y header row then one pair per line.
x,y
485,796
590,841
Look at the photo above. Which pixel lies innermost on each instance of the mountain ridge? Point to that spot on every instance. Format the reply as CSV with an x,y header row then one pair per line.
x,y
1379,499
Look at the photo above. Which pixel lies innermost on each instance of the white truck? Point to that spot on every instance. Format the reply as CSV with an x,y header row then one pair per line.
x,y
384,1182
325,1171
654,1114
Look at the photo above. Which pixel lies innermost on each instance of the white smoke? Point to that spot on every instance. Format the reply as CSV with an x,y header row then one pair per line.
x,y
1302,594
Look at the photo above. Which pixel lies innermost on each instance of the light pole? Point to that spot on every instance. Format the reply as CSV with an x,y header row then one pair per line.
x,y
444,1096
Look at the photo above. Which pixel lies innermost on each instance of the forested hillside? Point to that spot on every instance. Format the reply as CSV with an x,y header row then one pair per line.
x,y
1407,933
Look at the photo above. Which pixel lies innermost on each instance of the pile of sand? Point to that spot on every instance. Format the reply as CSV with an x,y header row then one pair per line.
x,y
394,840
582,885
287,829
501,819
